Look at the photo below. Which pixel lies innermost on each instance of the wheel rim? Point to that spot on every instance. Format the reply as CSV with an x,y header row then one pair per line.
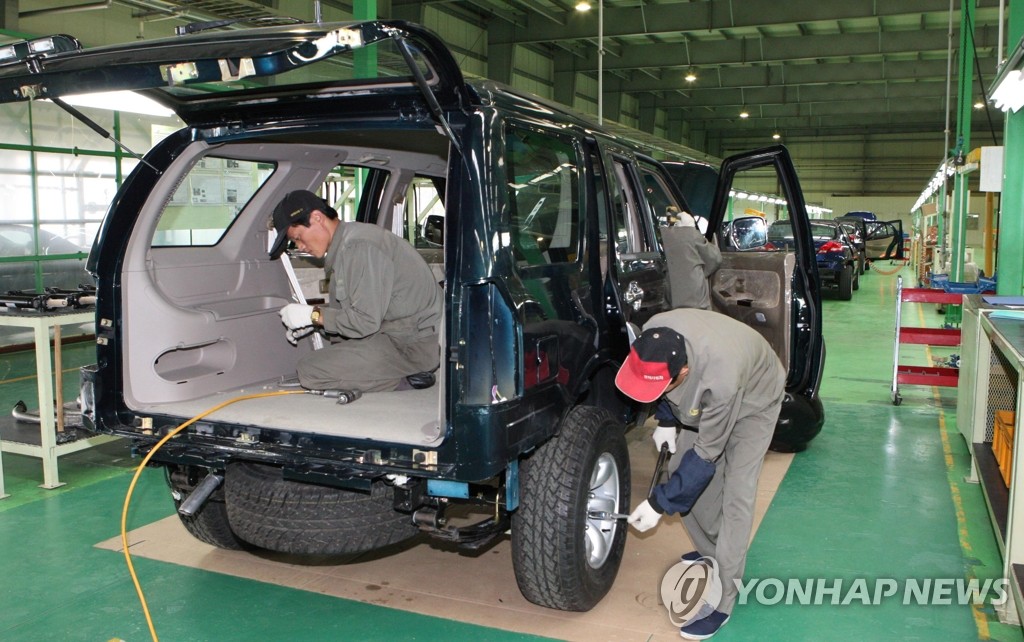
x,y
598,534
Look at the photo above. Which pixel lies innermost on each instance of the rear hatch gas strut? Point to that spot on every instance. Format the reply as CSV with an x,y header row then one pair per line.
x,y
98,129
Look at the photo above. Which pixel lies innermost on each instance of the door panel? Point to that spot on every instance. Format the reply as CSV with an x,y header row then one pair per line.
x,y
756,289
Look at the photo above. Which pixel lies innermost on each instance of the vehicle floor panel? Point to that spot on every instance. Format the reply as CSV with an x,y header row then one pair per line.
x,y
407,416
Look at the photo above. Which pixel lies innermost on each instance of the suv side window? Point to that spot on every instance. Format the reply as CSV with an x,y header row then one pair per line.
x,y
424,212
544,197
659,197
207,201
627,212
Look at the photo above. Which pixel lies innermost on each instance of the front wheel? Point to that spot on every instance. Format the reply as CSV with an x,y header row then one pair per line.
x,y
562,558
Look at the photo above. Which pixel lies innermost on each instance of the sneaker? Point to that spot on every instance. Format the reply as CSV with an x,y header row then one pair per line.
x,y
691,557
704,628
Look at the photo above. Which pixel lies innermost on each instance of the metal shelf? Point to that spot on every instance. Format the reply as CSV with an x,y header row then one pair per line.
x,y
922,375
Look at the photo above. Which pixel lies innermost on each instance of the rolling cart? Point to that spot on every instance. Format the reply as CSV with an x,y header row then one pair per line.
x,y
922,375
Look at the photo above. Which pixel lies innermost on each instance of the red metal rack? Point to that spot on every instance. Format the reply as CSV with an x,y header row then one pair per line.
x,y
922,375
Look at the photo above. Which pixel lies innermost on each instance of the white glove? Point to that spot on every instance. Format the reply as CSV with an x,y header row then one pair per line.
x,y
296,315
644,518
665,435
686,220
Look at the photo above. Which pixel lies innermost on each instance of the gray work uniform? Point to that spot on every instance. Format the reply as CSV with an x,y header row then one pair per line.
x,y
732,397
691,261
383,313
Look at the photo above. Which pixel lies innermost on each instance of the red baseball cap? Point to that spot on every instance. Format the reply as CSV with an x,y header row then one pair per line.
x,y
656,358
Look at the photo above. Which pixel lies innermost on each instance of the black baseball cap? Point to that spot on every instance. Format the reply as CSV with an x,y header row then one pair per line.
x,y
294,209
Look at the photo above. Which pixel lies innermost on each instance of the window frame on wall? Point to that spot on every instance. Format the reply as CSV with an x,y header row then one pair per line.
x,y
72,207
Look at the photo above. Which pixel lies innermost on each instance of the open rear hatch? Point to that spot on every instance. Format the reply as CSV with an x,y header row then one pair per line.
x,y
191,66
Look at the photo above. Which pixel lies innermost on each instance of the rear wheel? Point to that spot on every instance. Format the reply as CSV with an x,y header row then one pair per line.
x,y
856,279
846,283
271,512
562,558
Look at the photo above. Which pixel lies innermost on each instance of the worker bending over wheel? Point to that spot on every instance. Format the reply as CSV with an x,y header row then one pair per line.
x,y
724,384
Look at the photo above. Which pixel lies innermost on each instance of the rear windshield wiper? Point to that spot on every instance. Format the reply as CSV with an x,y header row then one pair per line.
x,y
99,130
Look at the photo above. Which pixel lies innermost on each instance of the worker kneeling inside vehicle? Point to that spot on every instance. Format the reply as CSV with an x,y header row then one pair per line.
x,y
383,305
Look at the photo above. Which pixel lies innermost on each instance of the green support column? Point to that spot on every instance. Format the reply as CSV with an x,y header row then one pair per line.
x,y
964,102
1009,258
364,63
941,198
365,59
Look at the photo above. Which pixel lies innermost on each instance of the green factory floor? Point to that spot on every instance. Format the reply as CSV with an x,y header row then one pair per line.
x,y
879,495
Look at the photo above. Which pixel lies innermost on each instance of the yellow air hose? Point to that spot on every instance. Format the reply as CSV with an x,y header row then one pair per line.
x,y
138,472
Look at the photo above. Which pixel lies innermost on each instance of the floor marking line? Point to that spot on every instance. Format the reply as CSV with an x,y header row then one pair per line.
x,y
980,619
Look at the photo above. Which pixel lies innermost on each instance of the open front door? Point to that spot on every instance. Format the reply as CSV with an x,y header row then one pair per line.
x,y
769,278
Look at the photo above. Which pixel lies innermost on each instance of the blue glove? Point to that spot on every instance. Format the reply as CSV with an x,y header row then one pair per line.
x,y
680,492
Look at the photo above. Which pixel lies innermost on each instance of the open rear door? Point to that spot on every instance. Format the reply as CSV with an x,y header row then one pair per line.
x,y
885,240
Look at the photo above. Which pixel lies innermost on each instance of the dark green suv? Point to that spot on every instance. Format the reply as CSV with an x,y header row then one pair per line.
x,y
543,232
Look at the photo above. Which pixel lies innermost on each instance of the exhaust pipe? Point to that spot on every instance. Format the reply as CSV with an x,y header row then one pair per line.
x,y
21,412
195,500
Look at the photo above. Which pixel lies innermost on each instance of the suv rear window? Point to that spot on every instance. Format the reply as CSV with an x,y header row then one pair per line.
x,y
543,194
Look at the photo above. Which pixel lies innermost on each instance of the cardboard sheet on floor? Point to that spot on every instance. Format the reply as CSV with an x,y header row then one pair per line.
x,y
480,590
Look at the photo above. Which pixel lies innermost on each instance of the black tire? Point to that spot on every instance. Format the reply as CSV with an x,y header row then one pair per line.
x,y
856,279
210,523
846,283
554,567
306,519
861,263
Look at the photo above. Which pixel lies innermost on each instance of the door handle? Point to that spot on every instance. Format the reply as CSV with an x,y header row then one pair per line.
x,y
634,295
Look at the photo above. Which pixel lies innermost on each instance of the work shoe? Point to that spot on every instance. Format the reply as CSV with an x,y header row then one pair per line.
x,y
421,380
691,557
705,627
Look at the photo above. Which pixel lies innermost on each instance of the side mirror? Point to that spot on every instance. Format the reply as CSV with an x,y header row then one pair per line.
x,y
749,233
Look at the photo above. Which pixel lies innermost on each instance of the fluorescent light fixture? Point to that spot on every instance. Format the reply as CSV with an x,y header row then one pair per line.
x,y
691,75
1007,90
776,135
583,5
744,113
126,101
